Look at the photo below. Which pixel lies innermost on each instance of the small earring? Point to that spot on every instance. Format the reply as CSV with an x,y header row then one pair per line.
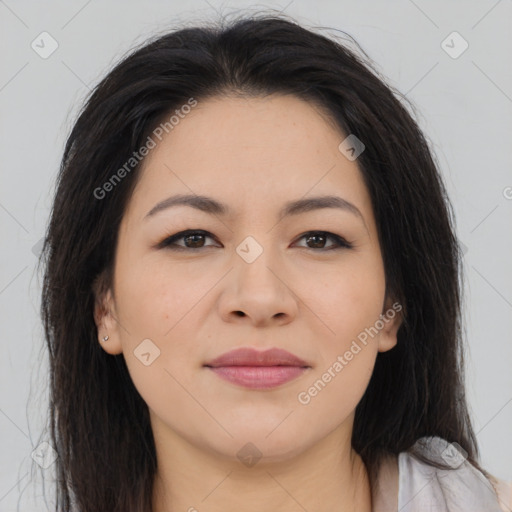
x,y
105,338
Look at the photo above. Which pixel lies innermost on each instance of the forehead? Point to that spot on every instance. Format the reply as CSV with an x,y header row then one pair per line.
x,y
250,151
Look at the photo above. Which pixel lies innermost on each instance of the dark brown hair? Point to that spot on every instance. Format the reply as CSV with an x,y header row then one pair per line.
x,y
99,424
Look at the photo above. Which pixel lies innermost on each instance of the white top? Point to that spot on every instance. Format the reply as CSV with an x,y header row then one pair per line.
x,y
406,484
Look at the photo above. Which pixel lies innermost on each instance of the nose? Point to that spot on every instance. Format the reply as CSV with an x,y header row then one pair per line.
x,y
258,292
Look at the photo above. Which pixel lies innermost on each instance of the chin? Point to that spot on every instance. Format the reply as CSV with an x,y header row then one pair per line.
x,y
252,447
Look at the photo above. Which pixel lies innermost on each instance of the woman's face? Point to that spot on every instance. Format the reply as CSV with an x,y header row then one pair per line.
x,y
251,279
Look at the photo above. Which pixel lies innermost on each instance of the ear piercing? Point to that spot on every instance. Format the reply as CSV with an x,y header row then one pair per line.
x,y
105,338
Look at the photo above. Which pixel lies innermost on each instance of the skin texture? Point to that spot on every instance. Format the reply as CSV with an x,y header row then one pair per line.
x,y
254,155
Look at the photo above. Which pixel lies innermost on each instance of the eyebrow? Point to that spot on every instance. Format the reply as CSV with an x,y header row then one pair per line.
x,y
214,207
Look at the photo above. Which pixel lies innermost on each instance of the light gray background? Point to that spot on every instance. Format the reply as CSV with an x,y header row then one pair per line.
x,y
465,107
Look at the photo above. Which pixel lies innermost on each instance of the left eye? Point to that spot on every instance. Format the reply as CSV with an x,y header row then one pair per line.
x,y
339,242
189,235
196,238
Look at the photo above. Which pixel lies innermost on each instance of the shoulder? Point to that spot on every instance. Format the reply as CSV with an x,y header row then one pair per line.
x,y
462,487
504,491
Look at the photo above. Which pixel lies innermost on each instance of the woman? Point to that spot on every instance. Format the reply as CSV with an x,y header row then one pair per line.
x,y
252,288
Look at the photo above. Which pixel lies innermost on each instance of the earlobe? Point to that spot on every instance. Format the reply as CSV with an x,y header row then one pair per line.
x,y
105,318
391,319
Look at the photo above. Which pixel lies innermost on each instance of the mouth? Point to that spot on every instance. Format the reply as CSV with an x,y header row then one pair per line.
x,y
253,369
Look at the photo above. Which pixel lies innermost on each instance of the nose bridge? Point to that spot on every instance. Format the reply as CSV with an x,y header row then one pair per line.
x,y
259,261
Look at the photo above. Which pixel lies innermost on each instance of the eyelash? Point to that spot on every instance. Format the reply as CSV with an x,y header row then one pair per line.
x,y
168,242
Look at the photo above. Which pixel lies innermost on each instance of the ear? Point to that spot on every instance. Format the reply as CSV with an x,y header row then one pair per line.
x,y
391,317
105,316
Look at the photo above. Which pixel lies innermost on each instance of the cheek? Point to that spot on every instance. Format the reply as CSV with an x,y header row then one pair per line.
x,y
346,300
155,304
153,298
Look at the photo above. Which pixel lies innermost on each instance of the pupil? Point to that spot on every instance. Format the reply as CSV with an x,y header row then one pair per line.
x,y
316,236
193,236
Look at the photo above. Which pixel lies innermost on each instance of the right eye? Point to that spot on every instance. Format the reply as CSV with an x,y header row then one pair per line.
x,y
192,240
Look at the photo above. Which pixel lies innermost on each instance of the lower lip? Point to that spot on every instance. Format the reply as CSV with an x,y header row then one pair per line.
x,y
258,377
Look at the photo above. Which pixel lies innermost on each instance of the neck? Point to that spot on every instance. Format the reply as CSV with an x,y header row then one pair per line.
x,y
328,477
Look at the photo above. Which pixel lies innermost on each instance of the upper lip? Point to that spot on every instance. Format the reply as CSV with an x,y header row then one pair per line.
x,y
253,357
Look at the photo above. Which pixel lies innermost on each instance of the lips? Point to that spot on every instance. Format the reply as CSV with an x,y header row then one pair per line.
x,y
251,357
254,369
